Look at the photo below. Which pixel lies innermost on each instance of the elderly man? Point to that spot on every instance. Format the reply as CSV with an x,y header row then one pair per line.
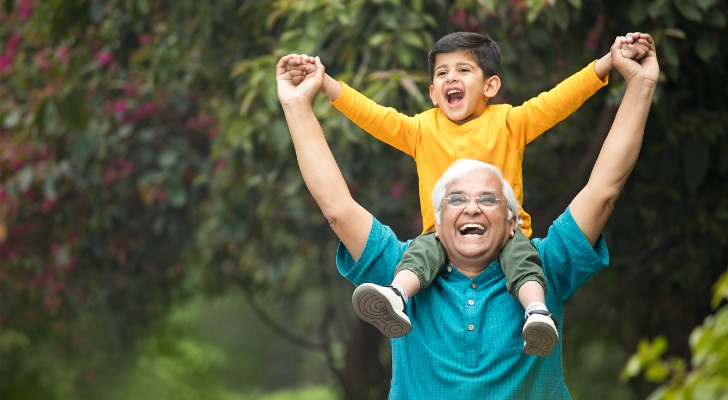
x,y
464,343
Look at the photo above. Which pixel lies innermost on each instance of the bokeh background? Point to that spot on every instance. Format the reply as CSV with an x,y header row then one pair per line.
x,y
157,242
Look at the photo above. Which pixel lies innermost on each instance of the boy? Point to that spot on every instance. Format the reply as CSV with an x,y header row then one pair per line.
x,y
464,69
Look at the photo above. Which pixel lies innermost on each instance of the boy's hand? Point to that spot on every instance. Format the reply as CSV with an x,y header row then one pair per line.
x,y
298,66
637,45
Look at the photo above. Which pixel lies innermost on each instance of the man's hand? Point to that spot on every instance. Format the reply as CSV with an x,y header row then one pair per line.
x,y
298,84
637,45
299,65
646,69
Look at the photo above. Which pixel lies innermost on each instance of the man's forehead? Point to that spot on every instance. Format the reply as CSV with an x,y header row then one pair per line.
x,y
479,181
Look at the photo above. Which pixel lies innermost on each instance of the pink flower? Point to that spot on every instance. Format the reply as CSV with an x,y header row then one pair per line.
x,y
104,57
161,196
119,107
11,47
63,54
26,8
145,39
48,204
110,175
397,189
41,61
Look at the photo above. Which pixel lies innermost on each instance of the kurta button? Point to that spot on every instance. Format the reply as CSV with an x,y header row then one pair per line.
x,y
449,269
460,134
462,148
470,302
471,327
473,285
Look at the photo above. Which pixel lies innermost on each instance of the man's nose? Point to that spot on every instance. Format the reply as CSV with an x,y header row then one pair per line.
x,y
473,207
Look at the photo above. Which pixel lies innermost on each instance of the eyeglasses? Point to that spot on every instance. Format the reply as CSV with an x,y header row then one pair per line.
x,y
487,201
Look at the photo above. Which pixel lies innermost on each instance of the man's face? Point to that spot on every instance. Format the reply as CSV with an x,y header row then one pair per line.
x,y
473,237
458,87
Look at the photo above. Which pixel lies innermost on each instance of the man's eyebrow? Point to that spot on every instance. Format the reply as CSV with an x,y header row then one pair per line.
x,y
482,193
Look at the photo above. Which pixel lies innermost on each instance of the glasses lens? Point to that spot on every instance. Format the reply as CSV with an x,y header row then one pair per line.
x,y
488,201
456,200
461,201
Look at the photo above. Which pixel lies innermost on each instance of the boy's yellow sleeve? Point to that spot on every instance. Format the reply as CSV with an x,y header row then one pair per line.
x,y
384,123
537,115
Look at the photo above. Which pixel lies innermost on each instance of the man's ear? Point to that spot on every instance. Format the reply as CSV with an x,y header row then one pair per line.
x,y
492,86
432,95
512,225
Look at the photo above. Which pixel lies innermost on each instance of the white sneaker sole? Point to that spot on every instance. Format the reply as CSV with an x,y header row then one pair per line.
x,y
540,335
375,307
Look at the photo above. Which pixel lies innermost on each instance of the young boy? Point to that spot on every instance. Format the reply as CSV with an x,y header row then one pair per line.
x,y
464,69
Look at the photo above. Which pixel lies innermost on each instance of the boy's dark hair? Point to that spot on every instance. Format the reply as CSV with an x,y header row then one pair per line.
x,y
483,49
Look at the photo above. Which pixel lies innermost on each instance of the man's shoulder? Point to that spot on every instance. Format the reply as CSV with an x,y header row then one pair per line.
x,y
568,258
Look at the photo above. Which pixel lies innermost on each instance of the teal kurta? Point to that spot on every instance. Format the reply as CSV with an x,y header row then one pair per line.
x,y
466,333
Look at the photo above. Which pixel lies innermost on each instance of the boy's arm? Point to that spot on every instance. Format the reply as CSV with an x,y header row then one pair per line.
x,y
384,123
541,113
331,88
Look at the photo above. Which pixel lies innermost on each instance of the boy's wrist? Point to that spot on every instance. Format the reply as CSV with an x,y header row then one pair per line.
x,y
603,65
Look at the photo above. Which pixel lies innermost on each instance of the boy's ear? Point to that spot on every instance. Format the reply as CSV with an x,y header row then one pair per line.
x,y
432,96
492,86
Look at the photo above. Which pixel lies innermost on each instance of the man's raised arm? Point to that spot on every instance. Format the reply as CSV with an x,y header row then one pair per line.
x,y
593,205
349,220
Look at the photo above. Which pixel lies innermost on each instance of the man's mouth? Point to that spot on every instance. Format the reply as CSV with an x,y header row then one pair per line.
x,y
454,97
472,231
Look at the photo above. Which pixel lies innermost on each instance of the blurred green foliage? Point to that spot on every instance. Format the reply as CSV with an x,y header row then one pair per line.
x,y
144,161
705,376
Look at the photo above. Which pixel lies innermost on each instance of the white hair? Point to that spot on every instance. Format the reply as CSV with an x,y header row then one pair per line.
x,y
463,167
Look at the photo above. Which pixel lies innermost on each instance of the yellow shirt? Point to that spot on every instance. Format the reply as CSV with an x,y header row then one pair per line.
x,y
498,137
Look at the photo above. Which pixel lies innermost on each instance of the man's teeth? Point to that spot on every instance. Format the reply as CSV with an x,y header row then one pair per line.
x,y
479,228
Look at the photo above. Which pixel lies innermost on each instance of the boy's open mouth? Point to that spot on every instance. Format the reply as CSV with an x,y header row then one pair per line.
x,y
454,96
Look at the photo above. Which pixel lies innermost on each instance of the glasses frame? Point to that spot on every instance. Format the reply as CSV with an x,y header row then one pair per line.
x,y
478,199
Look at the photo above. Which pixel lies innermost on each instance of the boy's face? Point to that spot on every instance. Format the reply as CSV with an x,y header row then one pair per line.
x,y
458,87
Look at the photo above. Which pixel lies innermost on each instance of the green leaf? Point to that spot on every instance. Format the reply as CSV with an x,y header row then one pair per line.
x,y
689,10
176,193
411,38
716,19
84,145
72,111
25,178
637,12
696,160
377,39
575,3
705,4
707,46
97,10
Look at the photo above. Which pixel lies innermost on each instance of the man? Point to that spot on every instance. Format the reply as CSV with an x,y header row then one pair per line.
x,y
465,346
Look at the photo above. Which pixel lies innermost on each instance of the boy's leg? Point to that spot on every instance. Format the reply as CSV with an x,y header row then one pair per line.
x,y
425,257
525,280
384,306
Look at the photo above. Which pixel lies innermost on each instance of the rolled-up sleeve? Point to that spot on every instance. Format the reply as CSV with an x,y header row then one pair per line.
x,y
569,260
382,253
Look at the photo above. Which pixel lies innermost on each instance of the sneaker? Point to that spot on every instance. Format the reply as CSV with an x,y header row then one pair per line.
x,y
383,307
539,334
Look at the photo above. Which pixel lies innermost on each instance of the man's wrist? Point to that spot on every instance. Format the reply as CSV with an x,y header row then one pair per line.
x,y
302,103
